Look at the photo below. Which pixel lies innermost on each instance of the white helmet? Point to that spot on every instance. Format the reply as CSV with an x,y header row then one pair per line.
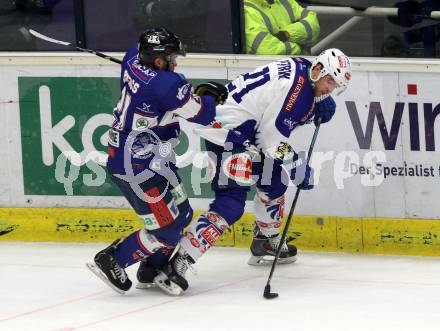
x,y
336,64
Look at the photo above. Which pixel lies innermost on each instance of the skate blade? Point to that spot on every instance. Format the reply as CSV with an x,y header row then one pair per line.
x,y
94,268
145,286
166,285
266,260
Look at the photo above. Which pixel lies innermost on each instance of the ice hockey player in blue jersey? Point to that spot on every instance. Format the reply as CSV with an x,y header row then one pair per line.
x,y
251,144
141,159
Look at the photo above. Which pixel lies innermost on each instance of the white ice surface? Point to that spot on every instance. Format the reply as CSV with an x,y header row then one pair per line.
x,y
46,286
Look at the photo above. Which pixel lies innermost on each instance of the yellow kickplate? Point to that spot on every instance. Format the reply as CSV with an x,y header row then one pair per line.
x,y
308,232
66,224
349,235
401,236
331,234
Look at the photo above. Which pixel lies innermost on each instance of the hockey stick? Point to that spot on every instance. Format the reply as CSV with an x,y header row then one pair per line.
x,y
267,293
65,43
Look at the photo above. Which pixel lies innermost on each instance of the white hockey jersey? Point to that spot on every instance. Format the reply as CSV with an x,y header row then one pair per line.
x,y
264,106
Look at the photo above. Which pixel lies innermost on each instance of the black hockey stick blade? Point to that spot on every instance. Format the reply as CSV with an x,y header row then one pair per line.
x,y
269,295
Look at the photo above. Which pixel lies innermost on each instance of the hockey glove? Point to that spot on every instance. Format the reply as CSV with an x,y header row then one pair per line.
x,y
307,183
218,91
302,173
325,109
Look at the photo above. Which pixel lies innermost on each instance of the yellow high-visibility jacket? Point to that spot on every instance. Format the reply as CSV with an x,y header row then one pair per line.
x,y
263,22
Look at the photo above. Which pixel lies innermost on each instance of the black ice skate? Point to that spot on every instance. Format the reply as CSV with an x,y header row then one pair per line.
x,y
172,278
264,249
145,275
109,271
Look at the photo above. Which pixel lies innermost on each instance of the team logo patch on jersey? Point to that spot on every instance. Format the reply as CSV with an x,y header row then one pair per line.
x,y
238,167
283,152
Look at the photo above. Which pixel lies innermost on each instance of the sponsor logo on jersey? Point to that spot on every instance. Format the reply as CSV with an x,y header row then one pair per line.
x,y
172,206
139,255
150,221
143,73
294,95
195,242
309,114
145,109
211,234
183,91
141,122
238,167
218,220
179,195
160,209
216,124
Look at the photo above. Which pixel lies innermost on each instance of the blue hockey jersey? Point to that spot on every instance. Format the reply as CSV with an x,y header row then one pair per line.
x,y
148,112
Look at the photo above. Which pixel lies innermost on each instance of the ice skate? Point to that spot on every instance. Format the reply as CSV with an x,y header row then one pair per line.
x,y
264,249
145,275
172,278
109,271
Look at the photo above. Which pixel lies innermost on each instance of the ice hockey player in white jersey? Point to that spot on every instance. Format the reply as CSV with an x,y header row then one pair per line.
x,y
250,145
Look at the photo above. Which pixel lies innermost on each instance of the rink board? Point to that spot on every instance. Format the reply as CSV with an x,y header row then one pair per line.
x,y
376,163
332,234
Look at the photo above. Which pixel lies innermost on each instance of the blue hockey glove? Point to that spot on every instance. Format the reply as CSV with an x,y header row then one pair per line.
x,y
302,174
307,183
325,109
